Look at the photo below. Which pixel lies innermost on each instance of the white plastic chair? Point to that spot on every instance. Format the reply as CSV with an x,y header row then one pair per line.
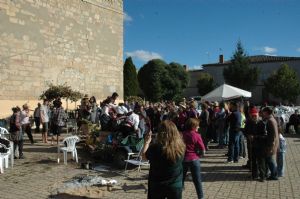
x,y
1,163
3,158
4,134
71,147
137,160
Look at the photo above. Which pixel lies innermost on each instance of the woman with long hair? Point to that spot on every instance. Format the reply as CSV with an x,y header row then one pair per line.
x,y
165,156
194,147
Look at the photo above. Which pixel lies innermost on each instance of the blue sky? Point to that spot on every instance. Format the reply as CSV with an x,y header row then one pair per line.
x,y
195,32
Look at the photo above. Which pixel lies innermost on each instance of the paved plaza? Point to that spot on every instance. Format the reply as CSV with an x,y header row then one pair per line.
x,y
39,176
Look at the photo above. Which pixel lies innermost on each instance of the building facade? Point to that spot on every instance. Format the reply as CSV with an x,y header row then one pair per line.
x,y
78,42
192,89
266,64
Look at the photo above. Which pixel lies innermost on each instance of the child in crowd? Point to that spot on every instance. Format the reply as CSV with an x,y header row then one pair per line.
x,y
281,155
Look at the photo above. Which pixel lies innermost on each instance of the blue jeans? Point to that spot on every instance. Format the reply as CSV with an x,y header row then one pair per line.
x,y
159,191
233,148
242,149
195,168
271,162
280,163
226,136
221,136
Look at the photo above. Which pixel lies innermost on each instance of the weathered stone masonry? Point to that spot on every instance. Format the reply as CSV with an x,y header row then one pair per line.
x,y
79,42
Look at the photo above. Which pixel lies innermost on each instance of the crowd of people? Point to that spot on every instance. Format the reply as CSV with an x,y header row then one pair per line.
x,y
240,127
228,125
49,116
182,133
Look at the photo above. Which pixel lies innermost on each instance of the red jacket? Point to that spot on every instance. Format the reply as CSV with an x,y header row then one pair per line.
x,y
193,142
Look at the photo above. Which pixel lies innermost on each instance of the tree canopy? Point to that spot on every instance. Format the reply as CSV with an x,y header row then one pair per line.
x,y
239,73
131,85
284,83
160,80
61,91
205,83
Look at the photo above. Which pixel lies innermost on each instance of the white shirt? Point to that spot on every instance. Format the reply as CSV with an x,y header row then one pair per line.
x,y
45,113
122,110
134,120
24,117
108,107
105,110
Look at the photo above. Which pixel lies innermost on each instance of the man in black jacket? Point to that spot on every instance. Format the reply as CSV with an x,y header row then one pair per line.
x,y
255,132
293,121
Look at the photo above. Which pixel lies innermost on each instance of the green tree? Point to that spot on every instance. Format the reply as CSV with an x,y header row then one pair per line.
x,y
131,85
205,83
174,82
150,76
239,73
159,80
284,83
61,91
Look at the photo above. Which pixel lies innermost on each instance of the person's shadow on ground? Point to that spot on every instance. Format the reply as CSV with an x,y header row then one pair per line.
x,y
224,173
67,196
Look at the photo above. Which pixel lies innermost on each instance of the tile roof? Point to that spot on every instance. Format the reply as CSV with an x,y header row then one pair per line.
x,y
258,59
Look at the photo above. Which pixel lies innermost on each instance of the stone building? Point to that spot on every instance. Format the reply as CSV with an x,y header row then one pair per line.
x,y
192,90
78,42
266,64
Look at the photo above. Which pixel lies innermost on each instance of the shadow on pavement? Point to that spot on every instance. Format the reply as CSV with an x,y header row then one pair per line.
x,y
126,187
47,161
138,177
224,173
206,161
222,176
40,149
67,196
228,167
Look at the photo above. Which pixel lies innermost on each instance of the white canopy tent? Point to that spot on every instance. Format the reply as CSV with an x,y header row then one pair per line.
x,y
225,92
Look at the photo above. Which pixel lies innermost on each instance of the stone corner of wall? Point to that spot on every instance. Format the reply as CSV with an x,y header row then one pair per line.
x,y
112,4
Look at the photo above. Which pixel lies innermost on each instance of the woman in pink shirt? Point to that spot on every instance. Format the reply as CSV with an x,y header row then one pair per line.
x,y
194,147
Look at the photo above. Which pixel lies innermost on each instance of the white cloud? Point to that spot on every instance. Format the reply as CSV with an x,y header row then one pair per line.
x,y
269,50
143,55
270,54
298,49
127,18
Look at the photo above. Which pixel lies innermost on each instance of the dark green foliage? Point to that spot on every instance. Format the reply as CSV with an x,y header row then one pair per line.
x,y
174,81
61,91
239,73
160,80
149,77
134,99
284,83
131,86
205,83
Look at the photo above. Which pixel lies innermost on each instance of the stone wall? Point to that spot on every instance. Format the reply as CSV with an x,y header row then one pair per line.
x,y
78,42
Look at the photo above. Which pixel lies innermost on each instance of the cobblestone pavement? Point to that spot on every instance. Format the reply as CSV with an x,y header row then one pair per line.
x,y
39,175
